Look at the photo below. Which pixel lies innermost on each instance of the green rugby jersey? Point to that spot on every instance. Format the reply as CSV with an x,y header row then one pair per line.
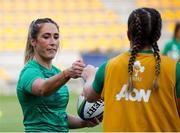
x,y
172,49
42,114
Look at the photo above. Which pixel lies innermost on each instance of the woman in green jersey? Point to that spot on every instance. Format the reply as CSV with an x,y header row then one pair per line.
x,y
140,87
41,88
172,48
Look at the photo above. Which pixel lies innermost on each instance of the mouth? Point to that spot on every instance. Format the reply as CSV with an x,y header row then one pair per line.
x,y
52,50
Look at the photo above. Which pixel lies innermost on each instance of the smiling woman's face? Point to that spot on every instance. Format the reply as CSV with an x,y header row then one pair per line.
x,y
47,42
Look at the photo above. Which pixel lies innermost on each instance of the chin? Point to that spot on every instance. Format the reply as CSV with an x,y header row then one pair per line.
x,y
52,54
50,57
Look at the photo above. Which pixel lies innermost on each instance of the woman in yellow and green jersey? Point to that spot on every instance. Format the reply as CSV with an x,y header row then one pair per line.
x,y
140,87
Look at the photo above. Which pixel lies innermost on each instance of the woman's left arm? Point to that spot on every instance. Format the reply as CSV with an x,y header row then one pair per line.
x,y
75,122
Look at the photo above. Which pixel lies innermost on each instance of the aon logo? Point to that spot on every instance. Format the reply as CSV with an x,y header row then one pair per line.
x,y
135,95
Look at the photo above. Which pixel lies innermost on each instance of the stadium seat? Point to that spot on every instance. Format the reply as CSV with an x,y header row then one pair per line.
x,y
81,22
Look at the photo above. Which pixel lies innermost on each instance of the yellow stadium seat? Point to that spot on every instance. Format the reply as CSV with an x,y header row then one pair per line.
x,y
177,15
65,43
165,4
111,16
7,5
168,15
4,75
175,3
170,27
32,4
141,3
20,5
84,24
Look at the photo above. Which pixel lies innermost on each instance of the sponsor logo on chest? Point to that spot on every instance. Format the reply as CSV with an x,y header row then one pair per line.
x,y
135,96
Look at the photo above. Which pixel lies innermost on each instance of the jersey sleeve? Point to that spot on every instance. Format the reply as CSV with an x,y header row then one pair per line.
x,y
28,77
166,48
98,82
178,79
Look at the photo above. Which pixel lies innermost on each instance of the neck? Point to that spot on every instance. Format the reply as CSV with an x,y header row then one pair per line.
x,y
146,48
44,62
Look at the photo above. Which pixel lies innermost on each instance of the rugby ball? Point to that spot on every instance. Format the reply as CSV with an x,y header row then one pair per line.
x,y
87,110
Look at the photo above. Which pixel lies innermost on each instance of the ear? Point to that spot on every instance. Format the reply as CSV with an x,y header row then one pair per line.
x,y
33,42
129,35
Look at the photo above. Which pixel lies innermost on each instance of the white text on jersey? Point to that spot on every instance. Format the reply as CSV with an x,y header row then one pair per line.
x,y
135,95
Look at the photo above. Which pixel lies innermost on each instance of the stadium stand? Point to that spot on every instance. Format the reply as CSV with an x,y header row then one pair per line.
x,y
4,75
84,24
170,11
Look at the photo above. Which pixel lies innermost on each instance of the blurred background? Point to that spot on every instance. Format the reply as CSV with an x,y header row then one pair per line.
x,y
94,30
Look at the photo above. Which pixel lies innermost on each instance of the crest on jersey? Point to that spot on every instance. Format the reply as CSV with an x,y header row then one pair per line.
x,y
138,68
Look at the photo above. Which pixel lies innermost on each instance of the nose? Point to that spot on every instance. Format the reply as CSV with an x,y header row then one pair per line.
x,y
53,41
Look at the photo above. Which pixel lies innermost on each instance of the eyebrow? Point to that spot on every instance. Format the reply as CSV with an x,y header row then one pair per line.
x,y
50,33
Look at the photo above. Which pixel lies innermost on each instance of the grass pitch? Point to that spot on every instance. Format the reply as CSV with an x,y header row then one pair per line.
x,y
11,119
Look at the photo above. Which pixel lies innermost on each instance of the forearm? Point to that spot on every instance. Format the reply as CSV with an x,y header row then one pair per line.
x,y
75,122
88,92
52,84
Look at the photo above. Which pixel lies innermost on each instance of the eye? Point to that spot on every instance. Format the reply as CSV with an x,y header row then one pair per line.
x,y
46,36
56,36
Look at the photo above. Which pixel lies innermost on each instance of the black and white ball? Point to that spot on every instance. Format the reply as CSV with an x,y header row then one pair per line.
x,y
87,110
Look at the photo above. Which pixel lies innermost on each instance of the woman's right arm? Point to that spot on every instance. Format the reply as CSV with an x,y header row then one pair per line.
x,y
88,76
46,87
94,81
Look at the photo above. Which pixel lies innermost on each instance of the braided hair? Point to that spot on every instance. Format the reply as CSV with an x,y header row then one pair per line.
x,y
144,27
